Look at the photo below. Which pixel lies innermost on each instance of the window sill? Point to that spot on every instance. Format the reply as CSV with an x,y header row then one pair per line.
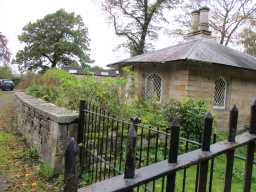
x,y
219,108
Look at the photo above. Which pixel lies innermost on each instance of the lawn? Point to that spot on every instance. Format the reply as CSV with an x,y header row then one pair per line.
x,y
218,174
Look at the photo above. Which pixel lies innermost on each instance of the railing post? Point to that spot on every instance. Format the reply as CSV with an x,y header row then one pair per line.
x,y
203,170
70,172
130,163
80,134
233,117
250,151
173,154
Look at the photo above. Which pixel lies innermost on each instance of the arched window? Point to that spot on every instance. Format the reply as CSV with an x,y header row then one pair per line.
x,y
220,93
153,86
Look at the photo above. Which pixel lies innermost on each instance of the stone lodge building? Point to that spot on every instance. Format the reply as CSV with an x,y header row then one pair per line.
x,y
199,68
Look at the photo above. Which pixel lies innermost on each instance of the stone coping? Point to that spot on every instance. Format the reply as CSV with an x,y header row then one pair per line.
x,y
51,111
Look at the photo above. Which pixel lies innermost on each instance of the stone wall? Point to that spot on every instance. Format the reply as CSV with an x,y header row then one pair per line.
x,y
45,127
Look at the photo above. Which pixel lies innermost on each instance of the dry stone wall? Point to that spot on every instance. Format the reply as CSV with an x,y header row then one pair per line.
x,y
45,127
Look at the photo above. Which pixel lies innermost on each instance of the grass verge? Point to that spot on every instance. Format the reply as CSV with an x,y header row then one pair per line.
x,y
20,172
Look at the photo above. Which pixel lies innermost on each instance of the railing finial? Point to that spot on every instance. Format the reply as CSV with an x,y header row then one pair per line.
x,y
207,132
252,129
233,117
174,142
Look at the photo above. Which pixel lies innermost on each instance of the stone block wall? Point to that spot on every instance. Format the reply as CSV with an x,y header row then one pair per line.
x,y
197,80
174,79
241,90
45,127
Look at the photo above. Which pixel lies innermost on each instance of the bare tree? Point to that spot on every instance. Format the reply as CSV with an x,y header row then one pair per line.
x,y
137,20
5,54
227,16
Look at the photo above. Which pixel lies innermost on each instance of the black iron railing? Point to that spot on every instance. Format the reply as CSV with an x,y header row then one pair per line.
x,y
116,155
103,140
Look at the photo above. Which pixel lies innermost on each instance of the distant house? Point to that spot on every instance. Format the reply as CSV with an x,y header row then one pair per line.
x,y
199,68
79,73
73,70
107,73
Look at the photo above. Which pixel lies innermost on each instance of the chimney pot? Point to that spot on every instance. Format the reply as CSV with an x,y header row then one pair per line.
x,y
204,19
195,20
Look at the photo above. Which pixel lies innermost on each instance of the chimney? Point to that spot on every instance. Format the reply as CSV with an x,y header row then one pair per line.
x,y
204,19
195,20
200,23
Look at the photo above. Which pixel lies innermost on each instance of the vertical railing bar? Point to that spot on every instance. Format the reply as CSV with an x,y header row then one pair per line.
x,y
115,155
130,162
121,147
140,150
165,156
206,142
148,148
185,170
94,141
212,165
87,129
91,143
233,117
102,143
197,168
111,146
250,151
197,177
106,151
156,153
173,155
141,143
98,142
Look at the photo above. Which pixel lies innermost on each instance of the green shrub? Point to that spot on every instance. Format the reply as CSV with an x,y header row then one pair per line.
x,y
63,89
45,171
31,153
189,112
60,180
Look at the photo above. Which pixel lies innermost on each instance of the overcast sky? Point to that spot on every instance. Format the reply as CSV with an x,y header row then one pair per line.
x,y
15,14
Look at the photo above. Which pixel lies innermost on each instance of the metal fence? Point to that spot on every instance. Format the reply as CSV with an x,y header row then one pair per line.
x,y
104,139
116,155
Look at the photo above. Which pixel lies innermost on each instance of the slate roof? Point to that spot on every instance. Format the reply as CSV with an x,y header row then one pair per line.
x,y
200,49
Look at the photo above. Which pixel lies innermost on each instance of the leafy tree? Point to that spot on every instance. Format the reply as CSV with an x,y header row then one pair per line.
x,y
227,17
137,21
5,72
248,39
58,39
96,69
5,54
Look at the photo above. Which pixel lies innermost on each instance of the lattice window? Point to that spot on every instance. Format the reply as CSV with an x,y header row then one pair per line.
x,y
153,86
220,93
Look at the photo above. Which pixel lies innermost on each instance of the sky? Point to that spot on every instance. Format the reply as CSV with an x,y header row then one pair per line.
x,y
15,14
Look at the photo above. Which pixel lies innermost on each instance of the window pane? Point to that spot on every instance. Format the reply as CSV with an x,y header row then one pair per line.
x,y
153,86
220,93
